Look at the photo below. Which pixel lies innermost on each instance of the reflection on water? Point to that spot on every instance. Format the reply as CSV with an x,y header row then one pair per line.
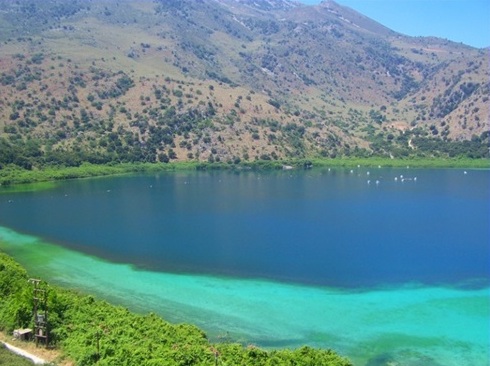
x,y
327,228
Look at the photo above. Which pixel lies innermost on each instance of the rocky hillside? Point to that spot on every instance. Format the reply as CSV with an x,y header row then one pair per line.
x,y
229,80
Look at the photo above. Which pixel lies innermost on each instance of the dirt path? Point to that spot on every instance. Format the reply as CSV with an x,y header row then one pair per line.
x,y
36,360
38,355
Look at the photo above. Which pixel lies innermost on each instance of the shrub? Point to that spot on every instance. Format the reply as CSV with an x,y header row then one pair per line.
x,y
91,332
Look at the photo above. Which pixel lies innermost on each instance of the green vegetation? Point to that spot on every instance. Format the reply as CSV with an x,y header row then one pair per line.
x,y
91,331
10,359
14,175
13,178
411,162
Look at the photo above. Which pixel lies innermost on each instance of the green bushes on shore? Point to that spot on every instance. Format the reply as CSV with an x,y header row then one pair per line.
x,y
13,175
91,331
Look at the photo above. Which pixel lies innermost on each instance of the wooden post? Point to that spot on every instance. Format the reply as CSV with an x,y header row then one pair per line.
x,y
40,312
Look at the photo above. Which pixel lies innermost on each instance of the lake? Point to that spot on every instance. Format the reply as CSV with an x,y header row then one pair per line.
x,y
382,265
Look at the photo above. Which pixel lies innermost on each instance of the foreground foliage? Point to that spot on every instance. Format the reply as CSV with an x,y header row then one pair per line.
x,y
92,332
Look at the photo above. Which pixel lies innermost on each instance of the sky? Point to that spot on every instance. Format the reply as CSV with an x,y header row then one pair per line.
x,y
466,21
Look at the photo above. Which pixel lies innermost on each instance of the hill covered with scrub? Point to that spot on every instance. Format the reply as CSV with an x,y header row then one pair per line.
x,y
229,81
91,331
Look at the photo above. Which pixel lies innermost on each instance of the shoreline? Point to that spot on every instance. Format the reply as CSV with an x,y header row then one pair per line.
x,y
134,338
356,355
89,297
46,176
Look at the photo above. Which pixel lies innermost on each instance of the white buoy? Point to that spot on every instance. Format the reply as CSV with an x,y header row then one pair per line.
x,y
368,173
415,179
396,179
377,182
465,172
368,182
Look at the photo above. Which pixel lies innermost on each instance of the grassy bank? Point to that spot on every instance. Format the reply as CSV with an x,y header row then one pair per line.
x,y
401,163
90,331
10,359
14,175
10,176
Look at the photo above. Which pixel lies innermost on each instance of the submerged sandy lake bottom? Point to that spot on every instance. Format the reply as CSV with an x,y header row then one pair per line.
x,y
389,272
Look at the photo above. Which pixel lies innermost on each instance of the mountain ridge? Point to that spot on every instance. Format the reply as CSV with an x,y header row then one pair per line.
x,y
230,80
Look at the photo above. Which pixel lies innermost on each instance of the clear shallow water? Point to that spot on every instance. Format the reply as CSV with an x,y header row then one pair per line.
x,y
389,272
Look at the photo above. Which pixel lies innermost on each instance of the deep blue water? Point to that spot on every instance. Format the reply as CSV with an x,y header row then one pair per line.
x,y
318,227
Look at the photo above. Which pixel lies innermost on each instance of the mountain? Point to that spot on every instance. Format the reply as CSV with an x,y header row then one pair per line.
x,y
229,80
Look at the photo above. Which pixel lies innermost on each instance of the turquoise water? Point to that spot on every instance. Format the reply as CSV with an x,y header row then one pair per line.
x,y
412,325
439,318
